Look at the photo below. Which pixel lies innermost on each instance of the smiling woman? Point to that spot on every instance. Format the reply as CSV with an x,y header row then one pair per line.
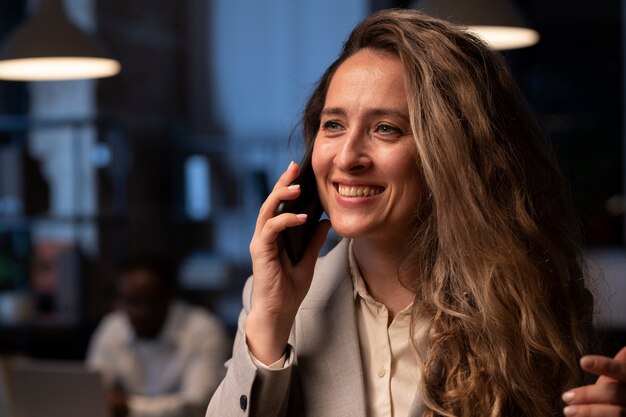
x,y
364,154
459,288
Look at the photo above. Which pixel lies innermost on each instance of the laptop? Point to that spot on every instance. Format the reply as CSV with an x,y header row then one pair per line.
x,y
55,389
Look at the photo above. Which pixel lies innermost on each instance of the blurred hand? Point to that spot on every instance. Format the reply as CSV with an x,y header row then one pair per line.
x,y
607,397
279,286
118,406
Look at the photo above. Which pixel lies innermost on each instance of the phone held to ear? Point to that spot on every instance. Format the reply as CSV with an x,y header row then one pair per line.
x,y
296,239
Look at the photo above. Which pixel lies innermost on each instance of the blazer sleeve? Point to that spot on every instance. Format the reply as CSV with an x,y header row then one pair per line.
x,y
247,390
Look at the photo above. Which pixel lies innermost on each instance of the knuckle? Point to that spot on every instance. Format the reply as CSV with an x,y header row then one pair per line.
x,y
264,208
612,390
581,396
269,224
611,366
252,248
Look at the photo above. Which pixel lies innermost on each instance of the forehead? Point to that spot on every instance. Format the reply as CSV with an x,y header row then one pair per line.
x,y
369,74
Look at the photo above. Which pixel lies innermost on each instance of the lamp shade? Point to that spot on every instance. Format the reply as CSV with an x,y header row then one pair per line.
x,y
49,47
497,22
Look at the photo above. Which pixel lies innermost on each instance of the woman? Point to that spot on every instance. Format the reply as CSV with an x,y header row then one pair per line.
x,y
458,288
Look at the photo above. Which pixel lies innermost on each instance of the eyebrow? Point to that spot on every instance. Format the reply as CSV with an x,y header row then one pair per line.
x,y
379,111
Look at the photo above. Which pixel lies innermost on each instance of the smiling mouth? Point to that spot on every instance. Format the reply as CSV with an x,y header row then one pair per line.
x,y
358,191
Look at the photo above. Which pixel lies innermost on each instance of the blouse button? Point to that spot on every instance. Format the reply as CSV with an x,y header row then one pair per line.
x,y
381,372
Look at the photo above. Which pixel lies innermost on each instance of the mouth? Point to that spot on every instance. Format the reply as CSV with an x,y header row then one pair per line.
x,y
358,190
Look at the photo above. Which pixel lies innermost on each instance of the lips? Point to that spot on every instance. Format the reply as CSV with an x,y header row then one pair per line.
x,y
358,191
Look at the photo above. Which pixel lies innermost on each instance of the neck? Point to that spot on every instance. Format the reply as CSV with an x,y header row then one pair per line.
x,y
378,263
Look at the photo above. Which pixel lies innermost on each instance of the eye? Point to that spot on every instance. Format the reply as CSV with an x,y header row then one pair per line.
x,y
386,129
331,125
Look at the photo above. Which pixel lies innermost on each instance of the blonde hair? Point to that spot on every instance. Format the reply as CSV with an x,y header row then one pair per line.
x,y
495,254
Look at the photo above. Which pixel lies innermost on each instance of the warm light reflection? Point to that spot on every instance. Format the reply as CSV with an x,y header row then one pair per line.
x,y
504,37
57,68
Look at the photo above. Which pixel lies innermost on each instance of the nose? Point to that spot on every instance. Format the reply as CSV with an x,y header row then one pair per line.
x,y
353,152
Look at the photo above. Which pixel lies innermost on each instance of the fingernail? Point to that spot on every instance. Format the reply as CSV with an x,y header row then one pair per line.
x,y
568,396
301,216
293,187
570,410
290,164
587,362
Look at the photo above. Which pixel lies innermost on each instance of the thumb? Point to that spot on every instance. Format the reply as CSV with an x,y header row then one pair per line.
x,y
611,370
621,355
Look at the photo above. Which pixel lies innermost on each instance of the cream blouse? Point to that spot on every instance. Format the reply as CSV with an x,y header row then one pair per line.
x,y
387,355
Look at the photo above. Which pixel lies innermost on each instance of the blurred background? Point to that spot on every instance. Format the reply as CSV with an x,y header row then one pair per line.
x,y
174,154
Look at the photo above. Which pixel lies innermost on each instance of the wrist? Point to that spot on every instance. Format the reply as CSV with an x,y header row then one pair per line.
x,y
267,335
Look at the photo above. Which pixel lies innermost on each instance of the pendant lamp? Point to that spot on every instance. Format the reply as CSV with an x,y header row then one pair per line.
x,y
498,22
49,47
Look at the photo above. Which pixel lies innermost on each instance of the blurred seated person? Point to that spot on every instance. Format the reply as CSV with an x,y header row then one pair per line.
x,y
159,355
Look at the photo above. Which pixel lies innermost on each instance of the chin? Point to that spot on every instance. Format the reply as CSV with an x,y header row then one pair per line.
x,y
349,232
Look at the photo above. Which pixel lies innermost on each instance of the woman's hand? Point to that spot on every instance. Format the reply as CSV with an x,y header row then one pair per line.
x,y
607,397
279,286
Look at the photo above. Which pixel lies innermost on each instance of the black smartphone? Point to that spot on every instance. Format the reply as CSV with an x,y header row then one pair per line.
x,y
296,239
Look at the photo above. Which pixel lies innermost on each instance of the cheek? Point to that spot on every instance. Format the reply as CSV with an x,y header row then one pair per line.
x,y
315,160
319,161
407,170
416,187
320,164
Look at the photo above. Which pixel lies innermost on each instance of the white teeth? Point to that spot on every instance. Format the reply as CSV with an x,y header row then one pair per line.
x,y
347,191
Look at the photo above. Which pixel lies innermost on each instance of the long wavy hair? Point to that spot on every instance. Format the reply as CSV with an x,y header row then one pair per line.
x,y
495,254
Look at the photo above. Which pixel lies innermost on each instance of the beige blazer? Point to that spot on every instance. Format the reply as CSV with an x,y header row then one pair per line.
x,y
326,377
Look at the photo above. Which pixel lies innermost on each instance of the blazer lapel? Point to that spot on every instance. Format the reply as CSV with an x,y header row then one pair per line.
x,y
328,356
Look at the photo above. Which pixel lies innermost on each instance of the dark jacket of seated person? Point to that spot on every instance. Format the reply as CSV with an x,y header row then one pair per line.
x,y
159,356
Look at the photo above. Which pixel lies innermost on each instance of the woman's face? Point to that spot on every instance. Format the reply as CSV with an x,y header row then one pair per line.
x,y
364,155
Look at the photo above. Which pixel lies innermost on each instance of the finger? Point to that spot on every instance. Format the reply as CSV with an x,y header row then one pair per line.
x,y
609,370
288,176
595,410
277,224
264,241
610,393
281,191
621,355
620,358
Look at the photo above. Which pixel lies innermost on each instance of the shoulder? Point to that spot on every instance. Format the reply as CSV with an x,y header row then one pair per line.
x,y
196,331
113,330
114,322
194,318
